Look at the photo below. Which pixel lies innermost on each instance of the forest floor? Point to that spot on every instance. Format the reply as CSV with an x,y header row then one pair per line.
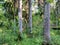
x,y
8,37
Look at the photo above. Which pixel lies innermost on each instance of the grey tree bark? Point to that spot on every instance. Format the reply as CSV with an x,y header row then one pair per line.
x,y
20,15
46,22
30,15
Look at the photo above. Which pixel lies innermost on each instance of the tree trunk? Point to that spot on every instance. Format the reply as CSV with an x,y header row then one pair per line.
x,y
30,15
46,23
20,15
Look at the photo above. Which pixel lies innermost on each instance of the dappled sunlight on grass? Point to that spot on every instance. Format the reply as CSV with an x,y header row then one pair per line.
x,y
52,33
1,30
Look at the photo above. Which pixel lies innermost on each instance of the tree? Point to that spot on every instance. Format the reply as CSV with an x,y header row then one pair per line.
x,y
46,22
20,15
30,15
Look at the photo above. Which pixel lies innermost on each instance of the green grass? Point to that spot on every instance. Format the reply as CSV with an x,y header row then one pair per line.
x,y
8,37
0,5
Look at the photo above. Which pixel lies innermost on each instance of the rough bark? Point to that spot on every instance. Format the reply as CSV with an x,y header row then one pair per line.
x,y
30,15
46,22
20,15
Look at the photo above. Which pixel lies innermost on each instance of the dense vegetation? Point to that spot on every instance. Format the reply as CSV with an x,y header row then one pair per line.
x,y
9,25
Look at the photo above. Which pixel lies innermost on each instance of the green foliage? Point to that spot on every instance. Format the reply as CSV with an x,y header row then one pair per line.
x,y
1,0
10,10
8,36
50,1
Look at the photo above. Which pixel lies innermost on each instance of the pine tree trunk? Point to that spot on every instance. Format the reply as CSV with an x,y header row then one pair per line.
x,y
30,15
20,15
46,23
